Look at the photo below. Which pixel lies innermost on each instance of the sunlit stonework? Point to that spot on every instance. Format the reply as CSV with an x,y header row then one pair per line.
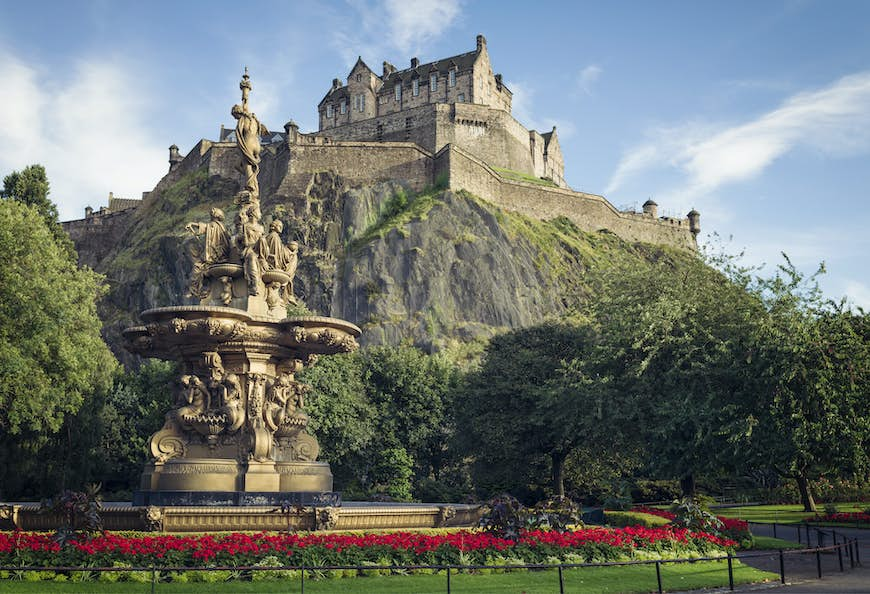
x,y
237,432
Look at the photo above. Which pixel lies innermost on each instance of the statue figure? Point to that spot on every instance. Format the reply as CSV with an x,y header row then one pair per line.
x,y
250,244
278,255
217,241
248,132
280,394
193,397
232,405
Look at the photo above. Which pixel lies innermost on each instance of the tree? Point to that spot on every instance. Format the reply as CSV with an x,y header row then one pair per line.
x,y
676,348
518,416
815,355
51,354
30,186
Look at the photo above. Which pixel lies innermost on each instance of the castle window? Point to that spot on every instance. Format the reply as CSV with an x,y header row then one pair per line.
x,y
451,77
329,110
398,90
461,98
415,87
359,102
358,77
343,107
433,82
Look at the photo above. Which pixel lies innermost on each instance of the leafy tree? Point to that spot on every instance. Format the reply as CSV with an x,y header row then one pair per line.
x,y
30,186
51,354
518,416
676,350
815,354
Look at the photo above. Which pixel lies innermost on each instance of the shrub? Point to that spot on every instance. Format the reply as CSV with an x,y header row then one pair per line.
x,y
620,519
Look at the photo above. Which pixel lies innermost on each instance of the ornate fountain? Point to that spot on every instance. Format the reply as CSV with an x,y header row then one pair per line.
x,y
237,435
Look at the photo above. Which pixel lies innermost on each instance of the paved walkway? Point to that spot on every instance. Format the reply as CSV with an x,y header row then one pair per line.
x,y
801,570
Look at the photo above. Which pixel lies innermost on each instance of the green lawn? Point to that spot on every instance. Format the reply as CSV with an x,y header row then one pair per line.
x,y
589,579
769,543
781,514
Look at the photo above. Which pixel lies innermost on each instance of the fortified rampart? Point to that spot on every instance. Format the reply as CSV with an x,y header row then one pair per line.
x,y
288,169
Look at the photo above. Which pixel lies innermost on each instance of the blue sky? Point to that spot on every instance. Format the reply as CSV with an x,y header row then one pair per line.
x,y
755,113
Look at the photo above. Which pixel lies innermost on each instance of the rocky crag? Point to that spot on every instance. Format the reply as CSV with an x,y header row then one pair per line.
x,y
430,268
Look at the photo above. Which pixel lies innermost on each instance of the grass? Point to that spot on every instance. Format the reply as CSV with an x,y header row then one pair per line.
x,y
769,543
638,578
782,514
524,177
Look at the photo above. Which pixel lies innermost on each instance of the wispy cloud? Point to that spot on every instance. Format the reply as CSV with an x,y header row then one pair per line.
x,y
521,107
377,28
858,293
834,120
90,131
587,78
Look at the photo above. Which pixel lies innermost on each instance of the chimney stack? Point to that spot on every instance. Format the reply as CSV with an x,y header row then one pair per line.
x,y
481,42
415,62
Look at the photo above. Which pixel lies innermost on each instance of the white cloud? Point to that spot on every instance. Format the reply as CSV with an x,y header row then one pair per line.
x,y
521,107
835,120
587,78
376,28
90,131
858,293
415,22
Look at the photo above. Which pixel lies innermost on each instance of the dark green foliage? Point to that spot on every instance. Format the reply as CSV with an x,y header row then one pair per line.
x,y
381,416
518,416
506,517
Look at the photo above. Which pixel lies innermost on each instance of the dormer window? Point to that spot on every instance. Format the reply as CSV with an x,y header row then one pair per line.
x,y
451,77
433,82
398,91
342,107
329,110
415,87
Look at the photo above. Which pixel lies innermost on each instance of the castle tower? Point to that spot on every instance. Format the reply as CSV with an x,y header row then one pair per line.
x,y
694,222
651,209
174,157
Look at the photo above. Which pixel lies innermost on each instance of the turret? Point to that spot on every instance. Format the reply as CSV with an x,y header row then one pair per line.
x,y
650,208
292,130
174,157
694,222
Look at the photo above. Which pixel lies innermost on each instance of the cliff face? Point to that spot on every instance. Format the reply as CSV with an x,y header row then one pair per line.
x,y
424,268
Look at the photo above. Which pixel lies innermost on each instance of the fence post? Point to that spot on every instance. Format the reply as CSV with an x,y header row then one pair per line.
x,y
840,556
819,562
659,575
730,572
302,580
799,533
808,535
781,566
857,552
448,579
774,529
852,553
561,581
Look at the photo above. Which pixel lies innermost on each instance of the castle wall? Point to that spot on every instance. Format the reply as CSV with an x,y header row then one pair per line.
x,y
588,211
365,162
94,236
493,134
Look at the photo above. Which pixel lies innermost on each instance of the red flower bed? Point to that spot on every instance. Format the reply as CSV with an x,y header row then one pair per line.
x,y
401,548
842,517
654,511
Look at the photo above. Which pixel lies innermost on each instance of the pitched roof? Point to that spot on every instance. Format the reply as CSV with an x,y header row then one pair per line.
x,y
461,62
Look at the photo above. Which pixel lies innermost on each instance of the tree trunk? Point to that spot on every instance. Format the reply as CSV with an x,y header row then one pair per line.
x,y
687,486
803,484
558,474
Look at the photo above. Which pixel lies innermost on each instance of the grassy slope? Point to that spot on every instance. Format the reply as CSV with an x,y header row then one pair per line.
x,y
592,580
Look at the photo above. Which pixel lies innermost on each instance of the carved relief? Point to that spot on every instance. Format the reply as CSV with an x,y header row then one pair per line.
x,y
326,518
152,518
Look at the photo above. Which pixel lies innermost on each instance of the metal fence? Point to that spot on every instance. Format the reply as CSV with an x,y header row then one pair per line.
x,y
845,549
